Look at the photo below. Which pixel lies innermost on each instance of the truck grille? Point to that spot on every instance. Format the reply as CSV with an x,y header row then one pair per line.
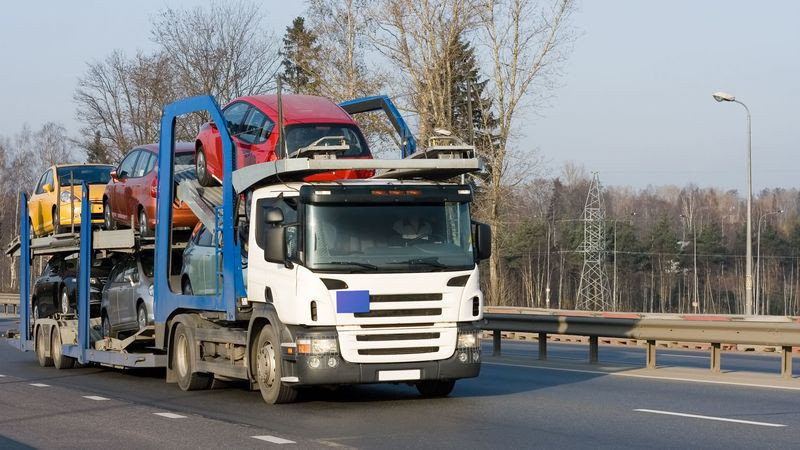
x,y
400,313
397,344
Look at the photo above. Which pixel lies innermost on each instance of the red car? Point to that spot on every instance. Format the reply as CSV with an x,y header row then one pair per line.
x,y
130,196
307,120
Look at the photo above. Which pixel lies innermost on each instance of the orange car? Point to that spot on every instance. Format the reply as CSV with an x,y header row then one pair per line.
x,y
56,202
130,197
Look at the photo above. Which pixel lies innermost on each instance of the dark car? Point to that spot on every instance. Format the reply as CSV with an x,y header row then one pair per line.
x,y
55,291
127,303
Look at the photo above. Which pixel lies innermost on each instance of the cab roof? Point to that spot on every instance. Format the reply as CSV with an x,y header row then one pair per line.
x,y
300,109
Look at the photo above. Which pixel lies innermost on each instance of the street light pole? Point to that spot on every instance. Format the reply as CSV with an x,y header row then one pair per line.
x,y
759,306
748,281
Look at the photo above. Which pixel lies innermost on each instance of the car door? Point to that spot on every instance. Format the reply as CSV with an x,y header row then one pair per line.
x,y
205,256
137,185
35,205
126,297
255,132
234,115
43,288
121,200
116,283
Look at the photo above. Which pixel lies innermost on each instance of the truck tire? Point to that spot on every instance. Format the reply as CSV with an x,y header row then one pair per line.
x,y
436,388
183,362
60,361
268,369
41,352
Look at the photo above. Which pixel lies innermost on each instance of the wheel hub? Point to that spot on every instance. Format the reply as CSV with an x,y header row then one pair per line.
x,y
266,365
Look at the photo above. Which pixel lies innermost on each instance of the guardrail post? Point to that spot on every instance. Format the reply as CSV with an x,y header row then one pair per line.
x,y
542,346
786,362
496,338
716,356
593,349
650,354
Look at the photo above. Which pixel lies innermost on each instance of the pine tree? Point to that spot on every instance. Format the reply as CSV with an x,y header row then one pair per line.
x,y
97,151
468,91
300,59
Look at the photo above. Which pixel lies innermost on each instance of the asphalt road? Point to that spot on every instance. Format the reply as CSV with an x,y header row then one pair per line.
x,y
516,402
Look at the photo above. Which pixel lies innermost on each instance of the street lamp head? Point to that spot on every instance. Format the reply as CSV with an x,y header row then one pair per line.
x,y
723,97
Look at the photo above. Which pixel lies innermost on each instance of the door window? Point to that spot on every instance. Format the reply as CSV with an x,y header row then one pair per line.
x,y
152,162
234,116
142,164
40,186
48,179
204,238
257,127
128,164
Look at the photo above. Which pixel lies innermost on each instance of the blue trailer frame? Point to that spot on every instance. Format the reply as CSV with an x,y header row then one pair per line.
x,y
408,143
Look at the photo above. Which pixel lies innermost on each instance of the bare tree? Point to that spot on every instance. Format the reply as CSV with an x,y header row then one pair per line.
x,y
223,50
526,41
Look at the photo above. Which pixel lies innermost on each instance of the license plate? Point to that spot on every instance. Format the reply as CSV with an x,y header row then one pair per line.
x,y
399,375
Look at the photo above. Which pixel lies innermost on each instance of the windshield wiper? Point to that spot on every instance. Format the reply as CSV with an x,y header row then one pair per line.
x,y
433,262
353,263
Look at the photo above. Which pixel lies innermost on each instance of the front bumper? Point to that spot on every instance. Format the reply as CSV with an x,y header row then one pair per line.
x,y
300,370
67,218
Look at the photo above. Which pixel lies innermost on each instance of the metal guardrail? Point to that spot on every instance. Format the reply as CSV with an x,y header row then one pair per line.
x,y
9,304
783,332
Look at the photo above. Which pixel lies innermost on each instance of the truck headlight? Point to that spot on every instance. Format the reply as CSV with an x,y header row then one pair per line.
x,y
317,345
468,340
67,197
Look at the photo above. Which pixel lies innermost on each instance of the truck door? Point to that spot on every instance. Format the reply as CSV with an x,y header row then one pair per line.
x,y
270,279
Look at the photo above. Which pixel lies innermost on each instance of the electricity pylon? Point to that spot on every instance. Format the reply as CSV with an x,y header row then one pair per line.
x,y
593,291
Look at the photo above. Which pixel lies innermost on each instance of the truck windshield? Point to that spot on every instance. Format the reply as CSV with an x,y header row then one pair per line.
x,y
389,237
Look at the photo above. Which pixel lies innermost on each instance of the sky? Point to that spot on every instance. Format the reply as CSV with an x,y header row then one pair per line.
x,y
634,102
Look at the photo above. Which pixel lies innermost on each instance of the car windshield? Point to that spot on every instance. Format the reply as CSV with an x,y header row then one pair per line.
x,y
301,136
76,175
184,159
383,237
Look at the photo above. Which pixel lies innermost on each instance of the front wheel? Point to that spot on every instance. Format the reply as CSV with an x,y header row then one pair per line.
x,y
436,388
268,369
144,228
108,218
183,362
201,168
141,316
60,361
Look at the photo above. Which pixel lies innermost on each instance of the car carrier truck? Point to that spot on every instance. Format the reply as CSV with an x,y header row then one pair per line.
x,y
319,283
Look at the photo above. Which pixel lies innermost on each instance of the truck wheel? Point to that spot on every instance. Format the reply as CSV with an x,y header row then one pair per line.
x,y
436,388
183,362
268,369
60,360
201,168
41,355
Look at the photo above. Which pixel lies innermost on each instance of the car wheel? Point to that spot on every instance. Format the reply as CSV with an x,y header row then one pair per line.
x,y
105,326
186,287
141,316
108,219
60,360
201,168
268,369
57,228
35,311
144,228
64,302
183,362
41,352
436,388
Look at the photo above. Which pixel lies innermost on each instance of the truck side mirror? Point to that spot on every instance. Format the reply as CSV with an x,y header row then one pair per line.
x,y
273,234
483,241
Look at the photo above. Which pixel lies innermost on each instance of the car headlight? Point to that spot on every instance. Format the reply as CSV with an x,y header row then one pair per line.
x,y
468,340
67,197
317,345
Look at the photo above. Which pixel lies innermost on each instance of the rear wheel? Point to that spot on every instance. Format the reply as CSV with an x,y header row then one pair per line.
x,y
108,218
41,352
268,369
144,228
183,362
201,168
60,361
64,302
436,388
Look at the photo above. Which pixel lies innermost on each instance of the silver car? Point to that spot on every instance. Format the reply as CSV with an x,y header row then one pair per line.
x,y
127,303
201,264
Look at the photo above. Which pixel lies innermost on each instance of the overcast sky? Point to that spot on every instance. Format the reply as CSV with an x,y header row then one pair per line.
x,y
634,104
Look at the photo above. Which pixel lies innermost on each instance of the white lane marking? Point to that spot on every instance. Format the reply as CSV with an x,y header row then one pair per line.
x,y
169,415
273,439
95,397
654,377
719,419
682,356
40,385
1,375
